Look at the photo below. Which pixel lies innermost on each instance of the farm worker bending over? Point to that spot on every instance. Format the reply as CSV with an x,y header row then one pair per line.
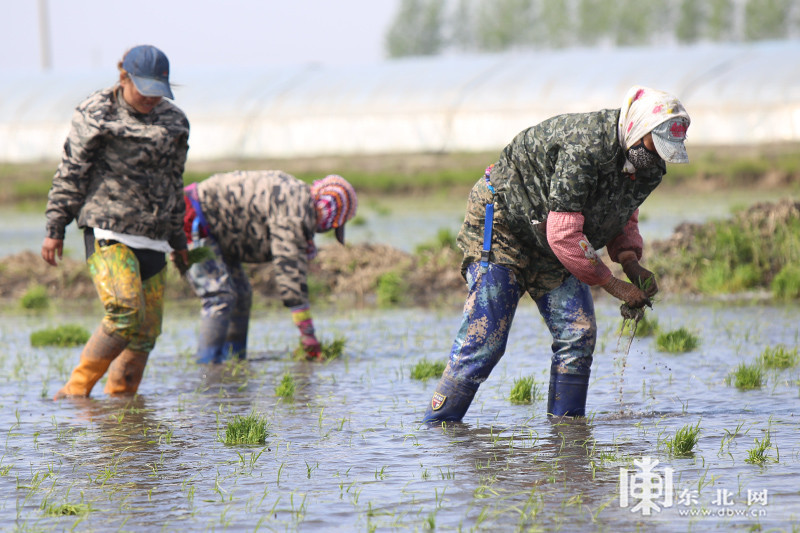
x,y
258,217
561,190
121,177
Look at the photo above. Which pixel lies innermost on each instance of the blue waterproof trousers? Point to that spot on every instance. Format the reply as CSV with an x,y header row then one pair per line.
x,y
481,341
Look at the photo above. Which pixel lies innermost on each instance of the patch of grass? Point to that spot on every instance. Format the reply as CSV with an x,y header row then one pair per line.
x,y
444,239
426,369
358,220
786,283
66,335
644,328
390,290
67,509
677,341
286,387
778,357
758,454
35,298
684,440
746,377
522,390
250,429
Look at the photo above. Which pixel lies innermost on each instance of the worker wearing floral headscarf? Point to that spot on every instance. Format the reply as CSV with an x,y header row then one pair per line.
x,y
257,217
560,190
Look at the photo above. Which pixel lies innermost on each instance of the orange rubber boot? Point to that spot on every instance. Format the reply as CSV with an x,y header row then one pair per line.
x,y
125,373
96,357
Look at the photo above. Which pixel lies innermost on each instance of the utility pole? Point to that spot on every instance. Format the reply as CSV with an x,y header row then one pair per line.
x,y
44,35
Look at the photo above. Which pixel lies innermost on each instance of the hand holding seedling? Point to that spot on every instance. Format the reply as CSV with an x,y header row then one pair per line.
x,y
632,295
184,259
639,276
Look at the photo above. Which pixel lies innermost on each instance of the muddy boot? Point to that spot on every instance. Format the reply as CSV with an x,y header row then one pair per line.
x,y
212,340
125,373
567,396
236,344
97,355
450,401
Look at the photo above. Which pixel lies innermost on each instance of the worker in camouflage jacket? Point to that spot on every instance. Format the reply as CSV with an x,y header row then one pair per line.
x,y
121,178
258,217
560,191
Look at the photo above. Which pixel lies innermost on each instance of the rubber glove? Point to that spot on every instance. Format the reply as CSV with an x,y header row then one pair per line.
x,y
308,340
639,276
627,292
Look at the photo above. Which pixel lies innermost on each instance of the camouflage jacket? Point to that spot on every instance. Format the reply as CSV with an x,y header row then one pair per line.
x,y
260,216
570,163
122,170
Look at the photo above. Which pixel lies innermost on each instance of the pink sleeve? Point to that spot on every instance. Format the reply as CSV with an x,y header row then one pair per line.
x,y
566,239
629,240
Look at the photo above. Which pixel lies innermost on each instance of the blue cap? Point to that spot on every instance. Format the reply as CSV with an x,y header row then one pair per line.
x,y
148,67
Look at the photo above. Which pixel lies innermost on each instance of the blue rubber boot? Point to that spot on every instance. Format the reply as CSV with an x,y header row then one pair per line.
x,y
450,401
236,343
567,396
211,344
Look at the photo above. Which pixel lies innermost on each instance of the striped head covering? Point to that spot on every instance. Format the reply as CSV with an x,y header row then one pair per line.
x,y
646,110
335,202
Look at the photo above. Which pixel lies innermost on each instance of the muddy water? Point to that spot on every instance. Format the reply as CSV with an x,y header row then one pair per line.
x,y
348,454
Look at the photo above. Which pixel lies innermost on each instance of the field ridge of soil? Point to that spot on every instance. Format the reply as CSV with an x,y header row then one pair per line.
x,y
352,274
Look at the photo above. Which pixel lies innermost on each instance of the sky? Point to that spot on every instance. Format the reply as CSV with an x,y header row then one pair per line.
x,y
93,34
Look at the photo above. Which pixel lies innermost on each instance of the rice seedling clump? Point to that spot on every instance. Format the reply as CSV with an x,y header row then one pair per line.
x,y
426,369
746,377
66,335
250,429
522,390
35,298
758,454
286,387
779,357
677,341
684,440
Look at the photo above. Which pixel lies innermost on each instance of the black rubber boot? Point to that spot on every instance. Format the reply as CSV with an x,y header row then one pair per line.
x,y
450,401
567,396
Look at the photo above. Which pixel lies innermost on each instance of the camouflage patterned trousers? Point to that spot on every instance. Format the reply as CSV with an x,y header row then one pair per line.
x,y
227,297
134,308
494,293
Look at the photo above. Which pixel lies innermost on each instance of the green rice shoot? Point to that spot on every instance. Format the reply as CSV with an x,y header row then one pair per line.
x,y
35,298
250,429
522,390
62,336
779,357
758,454
426,369
746,377
286,387
67,509
645,327
677,341
683,442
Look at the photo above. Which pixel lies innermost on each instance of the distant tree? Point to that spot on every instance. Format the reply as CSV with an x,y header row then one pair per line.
x,y
691,16
504,24
462,24
595,21
766,19
417,29
720,20
634,22
554,26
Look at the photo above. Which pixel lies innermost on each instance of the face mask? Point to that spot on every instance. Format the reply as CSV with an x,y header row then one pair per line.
x,y
642,158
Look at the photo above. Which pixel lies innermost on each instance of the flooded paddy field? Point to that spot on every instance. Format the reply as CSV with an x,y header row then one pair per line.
x,y
348,453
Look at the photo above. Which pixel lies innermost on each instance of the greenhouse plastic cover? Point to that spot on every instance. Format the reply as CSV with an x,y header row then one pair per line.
x,y
739,94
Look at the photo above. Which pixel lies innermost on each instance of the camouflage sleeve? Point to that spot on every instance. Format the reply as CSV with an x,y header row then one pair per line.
x,y
288,246
68,191
177,239
573,180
